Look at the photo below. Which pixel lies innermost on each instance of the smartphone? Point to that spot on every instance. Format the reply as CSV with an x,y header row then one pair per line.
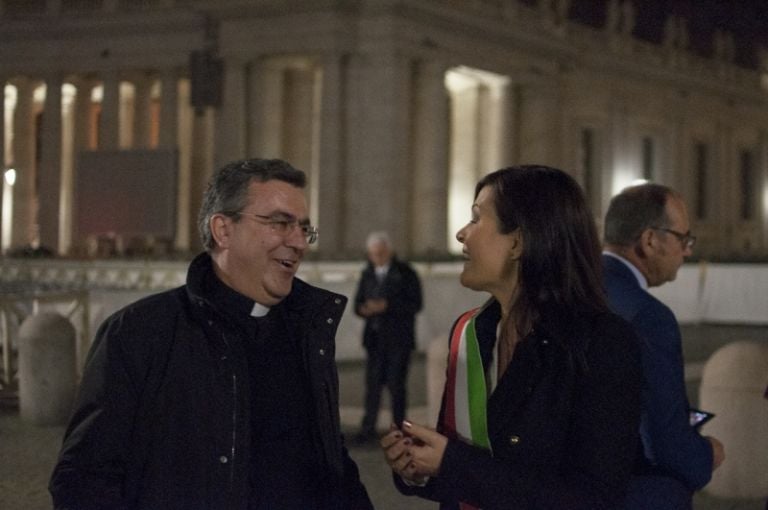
x,y
697,417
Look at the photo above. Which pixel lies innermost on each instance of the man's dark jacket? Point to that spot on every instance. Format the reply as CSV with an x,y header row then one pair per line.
x,y
676,459
162,416
402,290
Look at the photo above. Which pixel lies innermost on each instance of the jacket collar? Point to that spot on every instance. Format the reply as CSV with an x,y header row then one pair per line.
x,y
610,257
302,299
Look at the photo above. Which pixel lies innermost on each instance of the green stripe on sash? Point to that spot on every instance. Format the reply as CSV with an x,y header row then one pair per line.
x,y
476,389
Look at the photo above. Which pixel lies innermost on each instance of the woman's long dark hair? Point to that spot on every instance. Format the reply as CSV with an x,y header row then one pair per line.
x,y
560,267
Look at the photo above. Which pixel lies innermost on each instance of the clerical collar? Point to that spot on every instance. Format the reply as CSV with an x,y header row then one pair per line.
x,y
259,310
233,302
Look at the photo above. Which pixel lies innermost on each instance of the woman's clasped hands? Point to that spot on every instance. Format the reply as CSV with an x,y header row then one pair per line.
x,y
414,452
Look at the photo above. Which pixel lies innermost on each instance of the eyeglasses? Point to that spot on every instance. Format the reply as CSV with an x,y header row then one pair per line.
x,y
686,240
284,226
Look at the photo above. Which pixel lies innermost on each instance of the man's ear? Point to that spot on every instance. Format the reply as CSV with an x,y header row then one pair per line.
x,y
516,251
221,229
647,243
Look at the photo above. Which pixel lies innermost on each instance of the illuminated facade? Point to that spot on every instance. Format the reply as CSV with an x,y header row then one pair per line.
x,y
394,108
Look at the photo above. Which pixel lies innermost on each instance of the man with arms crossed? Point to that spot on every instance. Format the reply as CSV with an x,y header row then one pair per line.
x,y
388,297
647,237
223,393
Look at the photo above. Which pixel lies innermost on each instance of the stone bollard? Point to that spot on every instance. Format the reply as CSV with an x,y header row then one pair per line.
x,y
47,370
437,359
732,386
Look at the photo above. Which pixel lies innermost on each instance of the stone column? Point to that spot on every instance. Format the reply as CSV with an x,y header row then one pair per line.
x,y
23,232
539,138
256,108
230,119
49,184
494,124
84,126
726,216
762,180
300,87
379,166
4,234
109,122
201,167
68,152
429,202
84,135
142,116
266,107
183,119
509,118
331,156
169,109
2,125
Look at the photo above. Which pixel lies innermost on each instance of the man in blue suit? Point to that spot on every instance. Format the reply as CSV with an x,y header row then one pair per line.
x,y
647,237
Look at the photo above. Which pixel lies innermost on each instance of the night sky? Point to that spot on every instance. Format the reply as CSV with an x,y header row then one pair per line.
x,y
746,19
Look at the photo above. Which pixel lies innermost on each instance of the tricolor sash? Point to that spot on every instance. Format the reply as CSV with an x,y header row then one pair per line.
x,y
466,393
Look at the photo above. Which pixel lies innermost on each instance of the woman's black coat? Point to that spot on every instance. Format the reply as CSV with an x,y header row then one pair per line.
x,y
563,421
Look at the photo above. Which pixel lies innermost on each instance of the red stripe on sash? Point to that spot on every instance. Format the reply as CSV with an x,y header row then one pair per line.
x,y
449,417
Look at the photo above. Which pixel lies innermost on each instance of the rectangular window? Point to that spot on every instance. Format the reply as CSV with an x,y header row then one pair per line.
x,y
746,167
701,164
648,158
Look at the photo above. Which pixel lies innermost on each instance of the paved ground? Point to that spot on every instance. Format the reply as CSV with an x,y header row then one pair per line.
x,y
27,453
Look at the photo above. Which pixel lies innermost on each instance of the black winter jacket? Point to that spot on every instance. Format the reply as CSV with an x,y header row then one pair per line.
x,y
162,416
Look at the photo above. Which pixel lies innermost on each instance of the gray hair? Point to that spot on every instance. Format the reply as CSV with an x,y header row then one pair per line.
x,y
378,237
227,191
634,210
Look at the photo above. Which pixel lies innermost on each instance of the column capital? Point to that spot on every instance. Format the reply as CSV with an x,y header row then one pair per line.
x,y
53,77
23,82
170,73
109,73
139,75
83,81
434,66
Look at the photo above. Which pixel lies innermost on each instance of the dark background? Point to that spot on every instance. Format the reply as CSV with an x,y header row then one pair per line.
x,y
747,20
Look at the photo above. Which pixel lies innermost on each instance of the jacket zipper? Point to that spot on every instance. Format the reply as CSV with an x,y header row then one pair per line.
x,y
233,448
233,451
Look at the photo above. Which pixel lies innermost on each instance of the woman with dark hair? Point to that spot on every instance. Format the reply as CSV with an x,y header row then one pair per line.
x,y
541,405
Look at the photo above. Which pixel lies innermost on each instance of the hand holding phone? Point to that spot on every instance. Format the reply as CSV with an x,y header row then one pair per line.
x,y
697,417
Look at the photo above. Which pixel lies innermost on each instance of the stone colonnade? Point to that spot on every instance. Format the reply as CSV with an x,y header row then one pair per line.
x,y
371,133
51,119
388,141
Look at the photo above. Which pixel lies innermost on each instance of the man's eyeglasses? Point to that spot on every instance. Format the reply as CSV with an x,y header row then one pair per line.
x,y
687,240
284,226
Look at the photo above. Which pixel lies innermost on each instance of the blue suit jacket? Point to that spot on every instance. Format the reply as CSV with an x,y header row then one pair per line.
x,y
678,460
